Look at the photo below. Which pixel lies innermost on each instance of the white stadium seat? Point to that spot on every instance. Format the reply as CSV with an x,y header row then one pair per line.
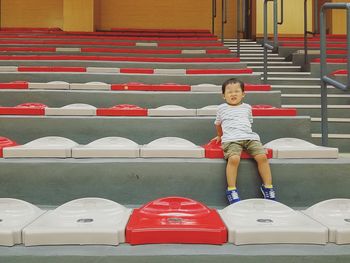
x,y
77,109
171,110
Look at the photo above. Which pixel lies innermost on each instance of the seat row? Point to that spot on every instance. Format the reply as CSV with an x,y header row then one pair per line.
x,y
131,86
173,220
60,147
80,109
123,70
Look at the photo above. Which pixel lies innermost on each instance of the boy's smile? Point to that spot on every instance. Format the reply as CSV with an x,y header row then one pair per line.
x,y
233,94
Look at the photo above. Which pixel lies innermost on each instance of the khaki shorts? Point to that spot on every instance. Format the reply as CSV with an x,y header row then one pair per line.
x,y
235,148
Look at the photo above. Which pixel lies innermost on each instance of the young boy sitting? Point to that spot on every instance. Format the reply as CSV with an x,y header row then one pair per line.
x,y
233,125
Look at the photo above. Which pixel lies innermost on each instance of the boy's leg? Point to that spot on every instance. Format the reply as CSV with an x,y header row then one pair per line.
x,y
232,154
231,170
256,149
265,173
264,168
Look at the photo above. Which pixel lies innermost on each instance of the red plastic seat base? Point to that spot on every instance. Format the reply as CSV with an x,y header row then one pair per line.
x,y
213,150
175,220
5,142
122,110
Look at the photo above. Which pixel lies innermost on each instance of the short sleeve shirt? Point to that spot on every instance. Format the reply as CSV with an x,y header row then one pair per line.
x,y
236,122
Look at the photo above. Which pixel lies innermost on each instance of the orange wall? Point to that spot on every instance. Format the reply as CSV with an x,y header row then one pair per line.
x,y
179,14
78,15
31,13
339,19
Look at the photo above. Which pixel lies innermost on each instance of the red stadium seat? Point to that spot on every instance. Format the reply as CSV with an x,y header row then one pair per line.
x,y
213,150
122,110
175,220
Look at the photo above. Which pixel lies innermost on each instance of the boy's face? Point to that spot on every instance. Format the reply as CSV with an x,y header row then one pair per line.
x,y
233,94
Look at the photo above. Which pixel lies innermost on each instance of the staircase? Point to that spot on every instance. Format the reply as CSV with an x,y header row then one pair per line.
x,y
301,90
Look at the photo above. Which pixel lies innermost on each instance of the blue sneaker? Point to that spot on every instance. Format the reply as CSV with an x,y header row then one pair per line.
x,y
268,193
232,196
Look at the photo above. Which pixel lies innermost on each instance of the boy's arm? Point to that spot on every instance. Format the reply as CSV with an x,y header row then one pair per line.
x,y
218,132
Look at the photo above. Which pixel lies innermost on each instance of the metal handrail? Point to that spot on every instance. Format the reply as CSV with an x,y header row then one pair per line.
x,y
324,78
223,19
282,14
275,34
238,31
306,32
213,16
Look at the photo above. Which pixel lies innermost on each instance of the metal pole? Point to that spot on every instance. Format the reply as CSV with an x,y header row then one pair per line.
x,y
324,117
316,17
275,24
305,34
213,15
265,41
238,15
223,19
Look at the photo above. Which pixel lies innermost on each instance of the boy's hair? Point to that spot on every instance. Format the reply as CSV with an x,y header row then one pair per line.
x,y
232,81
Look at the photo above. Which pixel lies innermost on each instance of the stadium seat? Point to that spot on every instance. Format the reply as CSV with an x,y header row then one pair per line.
x,y
59,85
15,214
335,215
172,147
77,109
298,148
24,109
107,147
175,220
46,147
213,150
90,86
94,221
262,221
122,110
171,110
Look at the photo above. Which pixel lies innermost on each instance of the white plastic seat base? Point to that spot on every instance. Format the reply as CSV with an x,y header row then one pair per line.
x,y
60,85
46,147
207,110
102,70
171,110
297,148
335,215
15,215
78,109
171,147
261,221
90,86
84,221
206,88
107,147
170,71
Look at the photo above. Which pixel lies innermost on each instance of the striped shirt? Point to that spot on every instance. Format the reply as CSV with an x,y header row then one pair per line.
x,y
236,122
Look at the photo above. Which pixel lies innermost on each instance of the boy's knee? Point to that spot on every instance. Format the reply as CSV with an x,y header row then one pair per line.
x,y
234,159
261,158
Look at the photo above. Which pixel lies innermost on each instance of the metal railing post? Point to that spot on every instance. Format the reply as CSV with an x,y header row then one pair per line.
x,y
213,15
306,32
223,19
275,34
238,16
324,78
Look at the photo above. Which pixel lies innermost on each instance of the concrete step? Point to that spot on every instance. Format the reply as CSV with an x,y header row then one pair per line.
x,y
305,89
333,111
340,99
335,125
54,181
175,253
341,141
276,68
123,64
147,99
142,130
293,81
124,78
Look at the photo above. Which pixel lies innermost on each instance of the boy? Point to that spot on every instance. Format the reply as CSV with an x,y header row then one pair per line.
x,y
233,126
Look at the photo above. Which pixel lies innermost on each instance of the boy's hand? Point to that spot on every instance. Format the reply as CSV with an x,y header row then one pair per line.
x,y
217,139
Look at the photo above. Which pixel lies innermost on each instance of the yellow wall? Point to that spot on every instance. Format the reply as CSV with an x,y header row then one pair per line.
x,y
293,17
339,19
31,13
78,15
180,14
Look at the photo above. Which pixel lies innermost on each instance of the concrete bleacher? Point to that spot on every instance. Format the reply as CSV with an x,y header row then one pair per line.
x,y
51,182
